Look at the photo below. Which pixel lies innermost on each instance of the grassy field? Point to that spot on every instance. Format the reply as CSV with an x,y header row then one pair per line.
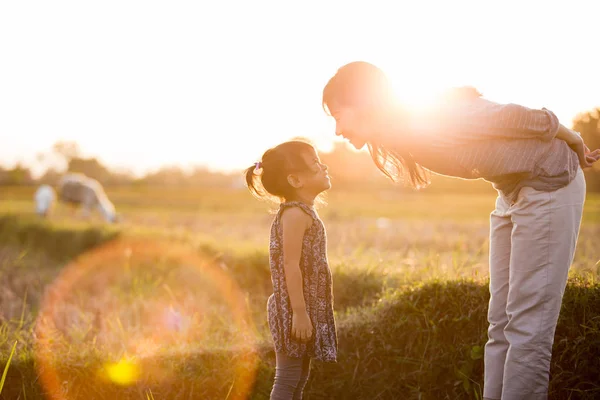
x,y
170,302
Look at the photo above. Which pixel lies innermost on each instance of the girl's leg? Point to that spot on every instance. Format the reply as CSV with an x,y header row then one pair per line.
x,y
546,227
288,373
303,378
497,345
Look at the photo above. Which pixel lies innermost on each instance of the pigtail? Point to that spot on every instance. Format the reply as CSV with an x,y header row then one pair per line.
x,y
252,180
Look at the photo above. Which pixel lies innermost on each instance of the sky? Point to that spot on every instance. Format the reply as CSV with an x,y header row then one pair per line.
x,y
141,84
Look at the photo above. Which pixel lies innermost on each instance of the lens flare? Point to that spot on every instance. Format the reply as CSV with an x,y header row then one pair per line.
x,y
123,372
135,315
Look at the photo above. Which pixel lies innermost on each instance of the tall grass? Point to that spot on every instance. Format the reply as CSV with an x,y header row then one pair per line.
x,y
146,309
12,352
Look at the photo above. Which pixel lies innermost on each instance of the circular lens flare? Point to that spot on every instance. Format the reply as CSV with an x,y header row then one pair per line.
x,y
139,315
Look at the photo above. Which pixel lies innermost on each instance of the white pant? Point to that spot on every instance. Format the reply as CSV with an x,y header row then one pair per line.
x,y
532,243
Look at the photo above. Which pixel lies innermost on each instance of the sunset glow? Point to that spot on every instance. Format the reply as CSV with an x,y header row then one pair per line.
x,y
217,83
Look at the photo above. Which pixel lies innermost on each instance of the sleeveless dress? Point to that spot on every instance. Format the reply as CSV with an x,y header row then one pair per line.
x,y
317,287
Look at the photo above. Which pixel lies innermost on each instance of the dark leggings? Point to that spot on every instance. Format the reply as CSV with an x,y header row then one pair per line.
x,y
291,375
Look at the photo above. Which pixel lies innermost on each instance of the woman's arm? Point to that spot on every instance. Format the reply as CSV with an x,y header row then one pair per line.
x,y
586,157
513,121
518,122
567,135
479,118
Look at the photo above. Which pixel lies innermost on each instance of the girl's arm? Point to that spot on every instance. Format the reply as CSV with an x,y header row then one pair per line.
x,y
295,223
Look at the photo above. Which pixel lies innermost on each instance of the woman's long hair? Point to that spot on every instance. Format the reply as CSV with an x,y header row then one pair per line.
x,y
396,165
365,81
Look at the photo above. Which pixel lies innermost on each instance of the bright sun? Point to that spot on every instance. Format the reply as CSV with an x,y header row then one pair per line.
x,y
415,94
414,88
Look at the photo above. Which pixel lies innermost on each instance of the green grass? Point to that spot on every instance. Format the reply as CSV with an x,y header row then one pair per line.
x,y
174,298
393,202
61,242
426,341
7,366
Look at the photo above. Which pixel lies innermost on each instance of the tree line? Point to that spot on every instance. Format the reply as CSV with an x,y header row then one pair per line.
x,y
349,169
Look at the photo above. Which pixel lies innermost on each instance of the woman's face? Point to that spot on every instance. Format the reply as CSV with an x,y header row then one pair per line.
x,y
353,125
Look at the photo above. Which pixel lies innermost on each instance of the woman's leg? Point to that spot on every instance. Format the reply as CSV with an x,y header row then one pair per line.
x,y
546,227
497,345
288,374
303,378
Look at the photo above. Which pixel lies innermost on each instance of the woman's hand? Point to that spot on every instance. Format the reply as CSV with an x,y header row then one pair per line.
x,y
586,157
302,328
591,156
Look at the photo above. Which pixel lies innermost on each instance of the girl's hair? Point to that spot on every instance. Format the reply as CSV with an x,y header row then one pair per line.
x,y
268,177
363,84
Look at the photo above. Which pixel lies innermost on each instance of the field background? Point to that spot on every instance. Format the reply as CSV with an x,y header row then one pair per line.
x,y
170,302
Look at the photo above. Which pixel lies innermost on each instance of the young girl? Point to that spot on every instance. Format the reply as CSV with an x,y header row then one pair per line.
x,y
300,310
533,161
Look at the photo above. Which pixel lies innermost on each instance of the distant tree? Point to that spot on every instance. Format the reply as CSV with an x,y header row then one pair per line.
x,y
588,124
67,156
90,167
18,175
50,177
201,176
120,177
167,176
59,156
67,150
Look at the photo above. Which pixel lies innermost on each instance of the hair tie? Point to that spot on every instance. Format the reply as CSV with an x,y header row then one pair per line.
x,y
257,165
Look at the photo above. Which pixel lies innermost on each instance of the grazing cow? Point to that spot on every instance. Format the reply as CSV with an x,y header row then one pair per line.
x,y
78,190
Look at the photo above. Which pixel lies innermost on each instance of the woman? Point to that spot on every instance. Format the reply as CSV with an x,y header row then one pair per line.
x,y
533,162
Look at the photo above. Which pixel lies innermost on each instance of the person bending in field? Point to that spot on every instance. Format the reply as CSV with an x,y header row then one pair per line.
x,y
534,162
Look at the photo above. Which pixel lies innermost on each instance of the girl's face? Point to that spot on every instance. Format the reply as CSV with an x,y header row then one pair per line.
x,y
315,178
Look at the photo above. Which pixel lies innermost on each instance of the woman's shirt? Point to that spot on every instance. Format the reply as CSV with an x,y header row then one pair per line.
x,y
509,145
